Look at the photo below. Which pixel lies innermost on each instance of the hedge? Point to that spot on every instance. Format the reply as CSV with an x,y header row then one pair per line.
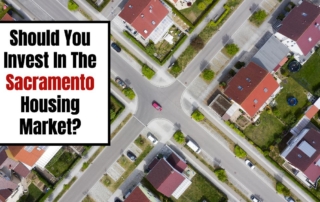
x,y
233,126
178,44
221,17
147,71
98,8
205,13
176,11
112,97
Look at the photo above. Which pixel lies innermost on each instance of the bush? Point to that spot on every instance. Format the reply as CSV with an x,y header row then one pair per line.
x,y
202,6
317,92
281,189
175,70
258,17
239,65
208,74
208,2
232,49
239,152
112,114
179,137
276,112
72,6
129,93
197,115
197,43
147,71
221,174
232,72
290,119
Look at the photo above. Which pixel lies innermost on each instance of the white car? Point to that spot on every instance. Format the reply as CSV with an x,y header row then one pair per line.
x,y
248,162
152,138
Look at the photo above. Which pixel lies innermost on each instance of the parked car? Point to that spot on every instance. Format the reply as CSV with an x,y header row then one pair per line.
x,y
152,138
117,200
249,163
254,199
131,155
120,82
289,199
156,106
115,47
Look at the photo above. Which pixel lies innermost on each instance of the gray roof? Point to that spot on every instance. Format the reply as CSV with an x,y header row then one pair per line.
x,y
270,54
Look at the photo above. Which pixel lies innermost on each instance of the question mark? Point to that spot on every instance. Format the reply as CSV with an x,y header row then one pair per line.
x,y
77,124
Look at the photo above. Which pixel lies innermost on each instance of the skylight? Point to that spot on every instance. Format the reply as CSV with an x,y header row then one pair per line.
x,y
255,101
265,90
29,148
240,88
304,14
248,79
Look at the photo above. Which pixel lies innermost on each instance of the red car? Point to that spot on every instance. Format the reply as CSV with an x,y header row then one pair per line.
x,y
156,106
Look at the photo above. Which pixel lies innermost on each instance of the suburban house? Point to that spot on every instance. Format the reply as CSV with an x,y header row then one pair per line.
x,y
303,154
251,89
12,177
166,175
272,55
141,194
7,17
32,156
148,17
300,30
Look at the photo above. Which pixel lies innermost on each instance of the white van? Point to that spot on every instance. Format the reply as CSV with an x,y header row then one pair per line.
x,y
152,138
193,146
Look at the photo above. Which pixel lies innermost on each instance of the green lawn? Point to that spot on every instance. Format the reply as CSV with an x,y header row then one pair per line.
x,y
124,162
265,133
291,88
308,76
33,196
142,142
116,107
2,11
61,165
192,13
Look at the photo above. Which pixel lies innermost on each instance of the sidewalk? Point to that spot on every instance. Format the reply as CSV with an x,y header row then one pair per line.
x,y
75,171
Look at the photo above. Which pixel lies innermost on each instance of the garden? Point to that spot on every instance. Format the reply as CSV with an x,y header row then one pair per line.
x,y
3,9
61,162
34,194
116,107
196,10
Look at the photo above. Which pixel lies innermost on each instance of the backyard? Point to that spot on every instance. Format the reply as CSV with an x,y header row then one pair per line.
x,y
308,76
266,132
193,12
290,114
61,162
3,11
116,108
33,195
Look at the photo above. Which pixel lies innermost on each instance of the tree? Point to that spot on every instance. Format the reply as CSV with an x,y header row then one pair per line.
x,y
290,118
175,70
197,115
232,49
258,17
208,74
179,137
221,174
147,71
276,112
208,2
72,6
202,6
197,43
239,152
281,189
150,49
129,93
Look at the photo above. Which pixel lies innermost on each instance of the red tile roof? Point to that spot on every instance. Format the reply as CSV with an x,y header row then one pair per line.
x,y
176,162
251,87
164,178
302,161
22,170
144,15
300,25
311,111
153,163
137,196
21,154
5,193
6,17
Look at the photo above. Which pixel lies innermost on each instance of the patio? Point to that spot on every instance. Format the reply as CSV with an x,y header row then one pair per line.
x,y
182,4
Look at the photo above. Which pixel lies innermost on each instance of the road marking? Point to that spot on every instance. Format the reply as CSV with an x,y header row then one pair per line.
x,y
42,9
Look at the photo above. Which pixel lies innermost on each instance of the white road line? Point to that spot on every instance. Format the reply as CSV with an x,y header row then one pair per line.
x,y
42,9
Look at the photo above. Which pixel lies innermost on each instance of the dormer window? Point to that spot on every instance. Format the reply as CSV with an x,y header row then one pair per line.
x,y
153,22
145,31
240,88
142,15
310,39
255,101
130,6
265,90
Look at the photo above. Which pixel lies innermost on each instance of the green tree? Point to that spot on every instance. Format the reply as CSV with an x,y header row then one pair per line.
x,y
112,114
290,119
197,115
239,152
208,2
175,70
258,17
281,189
129,93
208,74
150,49
72,6
179,137
147,71
276,112
202,6
197,43
232,49
221,174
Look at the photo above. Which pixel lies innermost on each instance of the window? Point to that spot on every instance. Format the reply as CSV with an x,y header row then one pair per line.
x,y
145,31
304,14
41,147
248,79
153,22
265,90
255,101
310,39
29,148
240,88
299,156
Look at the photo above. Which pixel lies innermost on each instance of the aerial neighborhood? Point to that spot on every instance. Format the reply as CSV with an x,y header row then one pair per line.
x,y
210,101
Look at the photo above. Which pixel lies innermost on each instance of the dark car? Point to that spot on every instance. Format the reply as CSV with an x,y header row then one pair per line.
x,y
289,199
117,200
131,155
115,47
254,199
121,83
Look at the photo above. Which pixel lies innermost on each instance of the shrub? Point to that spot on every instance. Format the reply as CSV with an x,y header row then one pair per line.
x,y
258,17
281,189
232,49
276,112
147,71
290,119
197,43
202,6
223,84
207,1
175,70
112,114
239,152
72,6
179,137
208,74
150,49
269,111
129,93
232,72
197,115
317,92
239,65
221,174
280,16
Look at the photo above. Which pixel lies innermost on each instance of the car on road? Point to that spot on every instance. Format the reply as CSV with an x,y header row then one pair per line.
x,y
117,200
120,82
249,163
116,47
156,106
152,138
131,155
254,199
289,199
